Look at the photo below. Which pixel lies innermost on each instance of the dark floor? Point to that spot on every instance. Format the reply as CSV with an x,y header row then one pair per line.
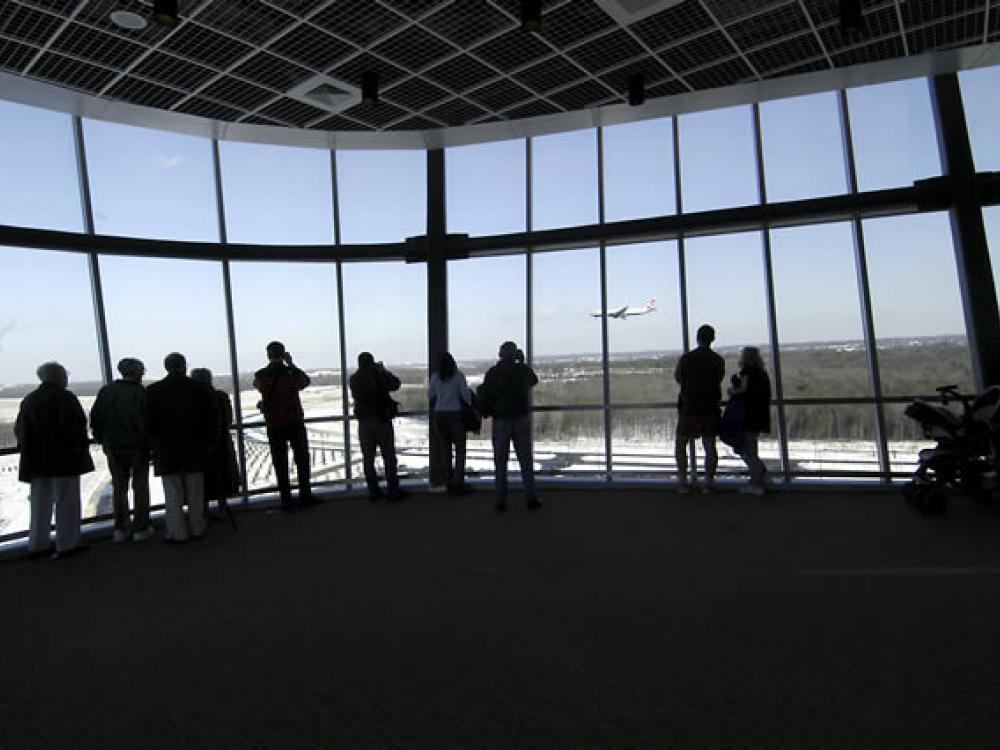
x,y
625,618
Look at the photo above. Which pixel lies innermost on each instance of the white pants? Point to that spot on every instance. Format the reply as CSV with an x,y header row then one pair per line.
x,y
64,493
178,489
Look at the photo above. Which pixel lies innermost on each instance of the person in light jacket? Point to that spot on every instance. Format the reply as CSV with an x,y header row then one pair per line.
x,y
51,431
448,391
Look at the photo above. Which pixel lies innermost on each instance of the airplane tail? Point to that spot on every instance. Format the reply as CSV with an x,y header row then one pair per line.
x,y
651,305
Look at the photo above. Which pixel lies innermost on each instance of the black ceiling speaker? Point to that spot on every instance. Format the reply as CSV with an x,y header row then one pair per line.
x,y
369,88
852,20
531,15
165,12
637,89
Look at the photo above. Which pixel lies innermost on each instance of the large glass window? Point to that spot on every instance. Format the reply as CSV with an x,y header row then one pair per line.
x,y
718,162
151,183
916,304
566,327
639,170
382,195
982,112
803,147
295,303
486,188
991,218
156,306
892,127
39,183
46,313
564,179
819,312
276,194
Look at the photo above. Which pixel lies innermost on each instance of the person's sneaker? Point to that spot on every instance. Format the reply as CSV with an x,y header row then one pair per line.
x,y
534,503
119,536
501,506
683,488
141,536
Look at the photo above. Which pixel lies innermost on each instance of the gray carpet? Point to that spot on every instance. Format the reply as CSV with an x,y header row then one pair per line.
x,y
619,618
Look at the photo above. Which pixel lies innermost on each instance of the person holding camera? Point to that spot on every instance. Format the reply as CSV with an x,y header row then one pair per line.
x,y
279,384
374,408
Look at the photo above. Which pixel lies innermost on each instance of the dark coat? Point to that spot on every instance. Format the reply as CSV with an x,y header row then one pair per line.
x,y
223,475
279,385
181,421
370,389
505,391
51,430
699,374
118,416
757,400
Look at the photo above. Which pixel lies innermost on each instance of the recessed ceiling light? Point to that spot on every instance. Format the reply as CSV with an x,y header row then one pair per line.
x,y
126,19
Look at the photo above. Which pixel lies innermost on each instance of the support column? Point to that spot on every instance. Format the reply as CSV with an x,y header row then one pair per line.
x,y
437,287
975,274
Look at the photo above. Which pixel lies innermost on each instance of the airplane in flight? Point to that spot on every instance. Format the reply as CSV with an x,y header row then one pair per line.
x,y
626,312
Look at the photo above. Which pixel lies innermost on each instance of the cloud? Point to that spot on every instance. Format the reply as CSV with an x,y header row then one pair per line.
x,y
167,162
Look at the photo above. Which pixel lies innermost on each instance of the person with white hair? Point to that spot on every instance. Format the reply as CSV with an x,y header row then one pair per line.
x,y
181,423
51,431
118,421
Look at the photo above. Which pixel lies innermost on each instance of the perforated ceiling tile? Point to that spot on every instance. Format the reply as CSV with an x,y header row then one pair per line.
x,y
532,109
725,74
14,55
553,74
961,30
582,95
416,94
697,52
575,21
461,73
786,54
666,88
205,46
378,116
351,70
673,24
769,27
413,8
72,73
360,21
312,47
142,92
254,22
237,93
499,94
728,10
172,70
414,123
466,22
334,122
456,112
414,48
97,46
272,72
513,50
607,51
26,25
97,14
883,50
809,67
293,112
650,69
206,108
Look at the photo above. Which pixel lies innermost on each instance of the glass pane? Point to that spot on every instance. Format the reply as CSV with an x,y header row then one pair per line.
x,y
394,331
803,147
277,195
564,179
642,443
906,440
639,170
382,195
412,451
46,313
39,184
718,162
831,439
151,183
991,218
326,453
567,333
982,112
486,306
725,286
823,350
156,306
893,130
644,330
486,188
295,303
569,443
916,304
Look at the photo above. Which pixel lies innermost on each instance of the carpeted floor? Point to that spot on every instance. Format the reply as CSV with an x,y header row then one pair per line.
x,y
619,618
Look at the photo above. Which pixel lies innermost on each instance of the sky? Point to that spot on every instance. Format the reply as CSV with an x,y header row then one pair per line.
x,y
147,183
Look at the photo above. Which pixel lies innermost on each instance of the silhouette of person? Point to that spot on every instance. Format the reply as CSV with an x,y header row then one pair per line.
x,y
448,391
51,432
753,387
222,475
374,408
279,384
699,373
118,421
505,395
181,423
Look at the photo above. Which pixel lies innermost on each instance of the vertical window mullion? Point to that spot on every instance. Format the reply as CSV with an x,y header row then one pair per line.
x,y
345,401
603,255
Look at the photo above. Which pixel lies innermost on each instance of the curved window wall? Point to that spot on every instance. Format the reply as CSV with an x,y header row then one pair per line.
x,y
854,316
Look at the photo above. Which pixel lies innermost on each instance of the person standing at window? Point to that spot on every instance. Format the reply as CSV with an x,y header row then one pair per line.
x,y
505,395
279,384
448,391
753,387
222,477
51,432
118,421
699,373
375,409
181,421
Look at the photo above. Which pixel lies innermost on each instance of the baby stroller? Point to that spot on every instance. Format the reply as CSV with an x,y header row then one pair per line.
x,y
966,454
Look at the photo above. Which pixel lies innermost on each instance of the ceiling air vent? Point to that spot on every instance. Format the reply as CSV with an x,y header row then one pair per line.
x,y
629,11
326,93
